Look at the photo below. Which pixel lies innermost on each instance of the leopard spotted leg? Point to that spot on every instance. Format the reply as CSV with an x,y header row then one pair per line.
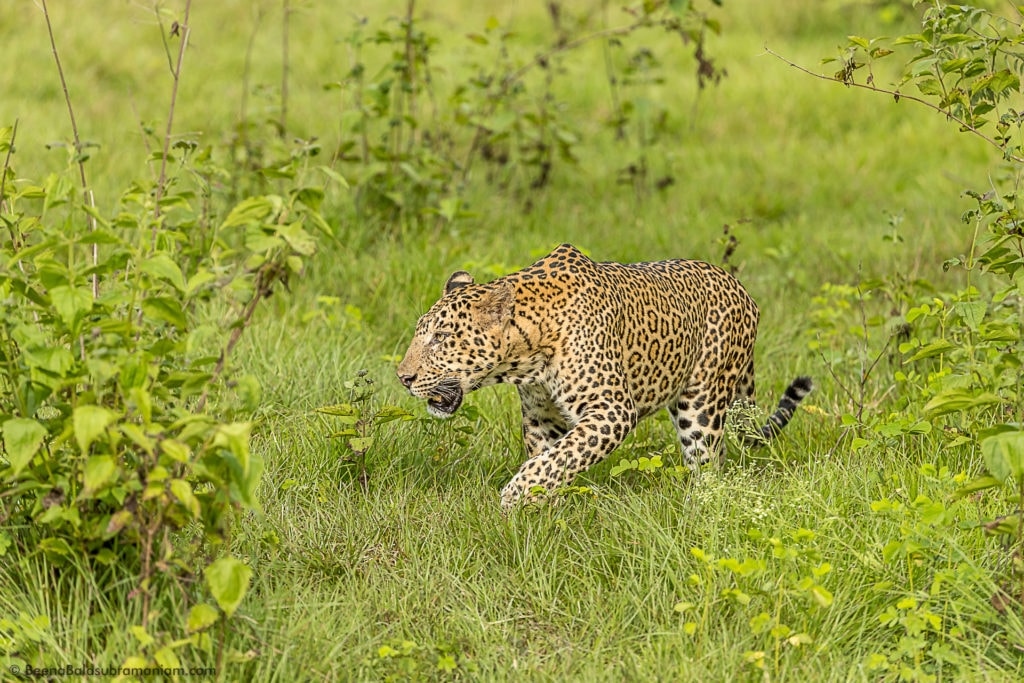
x,y
543,423
699,419
598,432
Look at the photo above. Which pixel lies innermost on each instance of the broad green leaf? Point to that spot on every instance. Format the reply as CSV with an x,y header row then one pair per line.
x,y
182,490
1004,454
312,197
251,210
979,484
972,312
345,412
198,280
446,663
166,309
934,349
953,400
98,471
89,422
71,303
333,175
22,439
201,617
175,449
166,658
360,444
389,413
142,636
228,580
297,238
163,267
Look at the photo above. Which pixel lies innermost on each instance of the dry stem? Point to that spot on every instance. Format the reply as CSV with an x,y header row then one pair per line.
x,y
184,30
91,219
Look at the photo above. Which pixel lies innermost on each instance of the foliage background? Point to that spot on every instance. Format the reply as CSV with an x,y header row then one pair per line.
x,y
413,572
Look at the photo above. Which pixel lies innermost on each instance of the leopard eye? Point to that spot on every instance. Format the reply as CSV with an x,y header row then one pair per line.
x,y
440,336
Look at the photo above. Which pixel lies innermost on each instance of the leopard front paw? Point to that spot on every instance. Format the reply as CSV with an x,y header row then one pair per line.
x,y
511,495
516,493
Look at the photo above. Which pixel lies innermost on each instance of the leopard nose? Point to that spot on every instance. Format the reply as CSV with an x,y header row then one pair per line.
x,y
407,380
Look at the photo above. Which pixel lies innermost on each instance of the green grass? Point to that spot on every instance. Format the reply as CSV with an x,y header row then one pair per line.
x,y
806,172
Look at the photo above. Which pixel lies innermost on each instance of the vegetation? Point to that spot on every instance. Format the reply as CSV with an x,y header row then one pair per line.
x,y
212,267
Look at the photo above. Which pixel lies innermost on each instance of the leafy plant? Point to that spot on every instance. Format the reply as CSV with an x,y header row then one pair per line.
x,y
124,438
360,419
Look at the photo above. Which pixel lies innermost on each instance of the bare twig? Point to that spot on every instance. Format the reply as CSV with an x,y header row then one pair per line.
x,y
897,96
243,107
183,31
3,183
284,69
78,149
410,70
545,57
265,279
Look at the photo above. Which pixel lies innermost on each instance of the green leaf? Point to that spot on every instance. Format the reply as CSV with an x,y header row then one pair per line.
x,y
934,349
446,663
163,267
360,444
333,175
972,313
182,490
345,412
954,400
166,309
228,580
89,422
98,471
71,303
251,210
201,617
142,636
22,439
297,238
312,197
166,658
979,484
1004,455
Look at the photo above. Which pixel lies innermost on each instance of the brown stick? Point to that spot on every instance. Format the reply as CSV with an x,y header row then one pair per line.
x,y
284,69
87,193
3,183
176,73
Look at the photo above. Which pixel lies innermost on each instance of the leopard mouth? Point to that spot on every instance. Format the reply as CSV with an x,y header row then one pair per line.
x,y
445,400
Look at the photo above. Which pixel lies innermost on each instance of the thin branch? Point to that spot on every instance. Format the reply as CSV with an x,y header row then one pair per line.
x,y
263,286
3,183
543,58
284,69
91,219
183,30
895,94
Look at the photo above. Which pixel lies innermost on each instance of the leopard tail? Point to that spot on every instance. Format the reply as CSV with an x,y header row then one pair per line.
x,y
795,392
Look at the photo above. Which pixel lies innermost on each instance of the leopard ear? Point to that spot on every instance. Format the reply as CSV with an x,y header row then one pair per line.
x,y
459,278
495,305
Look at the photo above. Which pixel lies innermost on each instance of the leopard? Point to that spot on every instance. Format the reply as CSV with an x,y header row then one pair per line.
x,y
592,348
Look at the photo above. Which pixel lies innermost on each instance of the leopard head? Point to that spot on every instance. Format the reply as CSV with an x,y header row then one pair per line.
x,y
458,344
